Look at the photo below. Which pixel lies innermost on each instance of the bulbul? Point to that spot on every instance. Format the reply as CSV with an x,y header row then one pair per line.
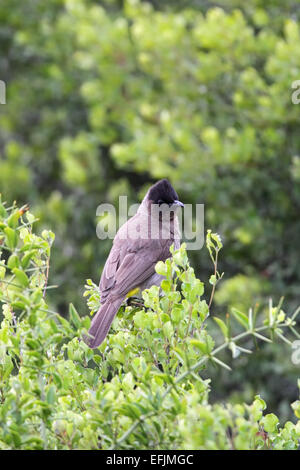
x,y
139,244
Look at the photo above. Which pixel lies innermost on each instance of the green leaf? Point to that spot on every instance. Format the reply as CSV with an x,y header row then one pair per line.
x,y
222,326
11,237
161,268
74,317
13,261
12,220
51,395
21,277
203,347
240,317
2,272
3,212
166,285
27,257
168,330
177,313
257,407
270,423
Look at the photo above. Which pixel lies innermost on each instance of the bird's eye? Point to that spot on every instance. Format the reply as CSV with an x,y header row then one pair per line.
x,y
161,201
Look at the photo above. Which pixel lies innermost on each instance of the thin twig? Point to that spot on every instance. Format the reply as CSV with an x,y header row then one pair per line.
x,y
47,276
214,285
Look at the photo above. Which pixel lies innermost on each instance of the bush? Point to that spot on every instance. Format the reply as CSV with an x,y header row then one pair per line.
x,y
143,388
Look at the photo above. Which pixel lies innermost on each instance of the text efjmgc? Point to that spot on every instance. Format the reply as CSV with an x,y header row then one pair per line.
x,y
163,460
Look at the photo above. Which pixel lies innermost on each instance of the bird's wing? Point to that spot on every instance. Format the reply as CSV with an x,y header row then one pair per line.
x,y
130,263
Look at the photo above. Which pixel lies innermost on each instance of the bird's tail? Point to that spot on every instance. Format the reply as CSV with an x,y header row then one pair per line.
x,y
102,321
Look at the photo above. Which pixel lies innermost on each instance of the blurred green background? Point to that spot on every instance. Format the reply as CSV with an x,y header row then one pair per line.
x,y
106,97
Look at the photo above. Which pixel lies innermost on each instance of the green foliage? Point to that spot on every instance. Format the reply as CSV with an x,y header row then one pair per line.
x,y
240,290
105,97
143,388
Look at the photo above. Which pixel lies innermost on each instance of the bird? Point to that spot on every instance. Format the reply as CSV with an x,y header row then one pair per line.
x,y
139,244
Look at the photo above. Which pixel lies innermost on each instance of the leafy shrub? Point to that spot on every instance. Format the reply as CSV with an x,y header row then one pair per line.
x,y
143,388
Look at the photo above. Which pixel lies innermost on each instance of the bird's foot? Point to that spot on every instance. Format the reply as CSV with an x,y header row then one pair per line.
x,y
134,302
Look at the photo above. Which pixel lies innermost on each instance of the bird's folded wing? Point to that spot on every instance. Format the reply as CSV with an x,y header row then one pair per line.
x,y
130,263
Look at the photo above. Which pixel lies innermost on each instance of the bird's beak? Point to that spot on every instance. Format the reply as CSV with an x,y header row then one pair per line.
x,y
178,203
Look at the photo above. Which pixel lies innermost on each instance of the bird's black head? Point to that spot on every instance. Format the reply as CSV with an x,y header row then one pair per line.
x,y
163,192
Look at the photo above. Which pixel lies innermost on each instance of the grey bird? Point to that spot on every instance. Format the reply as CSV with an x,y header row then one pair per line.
x,y
139,244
